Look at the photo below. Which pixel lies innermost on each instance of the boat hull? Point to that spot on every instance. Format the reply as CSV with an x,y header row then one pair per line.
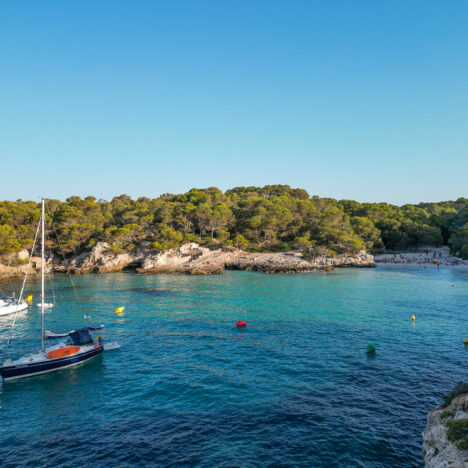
x,y
43,367
12,308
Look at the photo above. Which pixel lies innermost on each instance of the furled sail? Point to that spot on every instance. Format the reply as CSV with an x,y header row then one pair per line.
x,y
48,335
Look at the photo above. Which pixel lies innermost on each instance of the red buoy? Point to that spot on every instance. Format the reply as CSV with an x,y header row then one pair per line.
x,y
241,323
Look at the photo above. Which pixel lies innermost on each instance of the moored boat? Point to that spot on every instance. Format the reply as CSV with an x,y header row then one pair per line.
x,y
70,349
10,306
78,347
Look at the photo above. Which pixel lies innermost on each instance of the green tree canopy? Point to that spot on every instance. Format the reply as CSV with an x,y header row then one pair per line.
x,y
273,217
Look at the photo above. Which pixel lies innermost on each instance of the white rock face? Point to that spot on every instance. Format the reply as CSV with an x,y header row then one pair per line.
x,y
174,257
194,259
23,255
438,451
291,262
189,258
102,260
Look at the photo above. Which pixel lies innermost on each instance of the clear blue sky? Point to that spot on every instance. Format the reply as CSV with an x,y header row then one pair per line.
x,y
351,99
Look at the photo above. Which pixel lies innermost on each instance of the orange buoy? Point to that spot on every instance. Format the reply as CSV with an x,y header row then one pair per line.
x,y
241,323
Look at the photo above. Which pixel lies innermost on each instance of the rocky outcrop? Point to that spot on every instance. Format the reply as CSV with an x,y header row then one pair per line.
x,y
190,258
293,262
101,259
15,265
194,259
438,450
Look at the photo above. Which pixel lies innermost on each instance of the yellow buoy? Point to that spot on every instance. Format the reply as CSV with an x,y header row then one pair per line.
x,y
29,299
119,310
465,341
413,318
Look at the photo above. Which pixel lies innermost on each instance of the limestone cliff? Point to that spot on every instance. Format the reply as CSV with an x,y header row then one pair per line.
x,y
446,433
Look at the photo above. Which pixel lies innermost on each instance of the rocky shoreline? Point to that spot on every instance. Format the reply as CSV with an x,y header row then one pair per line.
x,y
190,258
445,439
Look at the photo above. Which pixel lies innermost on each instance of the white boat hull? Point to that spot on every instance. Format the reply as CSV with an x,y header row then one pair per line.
x,y
12,308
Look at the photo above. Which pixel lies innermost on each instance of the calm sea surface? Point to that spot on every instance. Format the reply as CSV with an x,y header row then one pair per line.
x,y
295,388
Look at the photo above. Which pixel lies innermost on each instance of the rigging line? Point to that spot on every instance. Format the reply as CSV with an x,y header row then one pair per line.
x,y
29,262
50,284
22,290
50,279
63,256
52,288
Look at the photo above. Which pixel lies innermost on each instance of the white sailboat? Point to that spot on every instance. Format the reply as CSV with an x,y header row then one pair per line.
x,y
71,348
8,305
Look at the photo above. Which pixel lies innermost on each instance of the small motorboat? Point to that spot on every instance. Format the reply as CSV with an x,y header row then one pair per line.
x,y
9,305
47,305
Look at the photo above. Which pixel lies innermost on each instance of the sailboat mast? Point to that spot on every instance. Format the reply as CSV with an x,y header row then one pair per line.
x,y
42,276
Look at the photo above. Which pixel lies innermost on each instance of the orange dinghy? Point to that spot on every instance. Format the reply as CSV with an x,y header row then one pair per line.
x,y
62,352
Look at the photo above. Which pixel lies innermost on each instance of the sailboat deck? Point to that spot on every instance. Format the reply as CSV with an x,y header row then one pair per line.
x,y
40,356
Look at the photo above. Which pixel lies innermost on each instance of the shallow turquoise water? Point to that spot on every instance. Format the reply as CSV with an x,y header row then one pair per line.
x,y
295,388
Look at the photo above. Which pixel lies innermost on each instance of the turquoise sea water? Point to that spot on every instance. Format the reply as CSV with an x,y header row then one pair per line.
x,y
295,388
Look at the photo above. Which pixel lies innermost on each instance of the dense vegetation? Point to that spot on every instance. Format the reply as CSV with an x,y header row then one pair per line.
x,y
275,217
457,432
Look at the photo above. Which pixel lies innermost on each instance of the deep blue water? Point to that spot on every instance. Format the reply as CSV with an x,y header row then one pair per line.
x,y
295,388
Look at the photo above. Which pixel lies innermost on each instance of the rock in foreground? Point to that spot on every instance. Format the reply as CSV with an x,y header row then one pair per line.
x,y
445,438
